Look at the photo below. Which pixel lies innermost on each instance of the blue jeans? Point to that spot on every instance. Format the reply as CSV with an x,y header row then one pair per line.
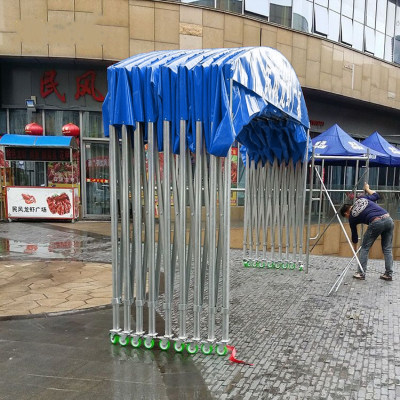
x,y
384,228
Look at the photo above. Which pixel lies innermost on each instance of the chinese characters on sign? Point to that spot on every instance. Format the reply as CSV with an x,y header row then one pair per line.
x,y
48,85
85,84
17,209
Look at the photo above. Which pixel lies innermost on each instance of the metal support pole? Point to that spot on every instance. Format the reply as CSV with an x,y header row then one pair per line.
x,y
167,231
227,236
246,210
125,242
197,234
137,229
339,280
212,301
116,294
340,222
226,249
182,231
310,199
150,237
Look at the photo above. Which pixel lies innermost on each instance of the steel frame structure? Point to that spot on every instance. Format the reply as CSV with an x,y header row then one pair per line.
x,y
324,191
189,251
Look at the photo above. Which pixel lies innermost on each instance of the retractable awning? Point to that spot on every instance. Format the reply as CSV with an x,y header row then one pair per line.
x,y
248,94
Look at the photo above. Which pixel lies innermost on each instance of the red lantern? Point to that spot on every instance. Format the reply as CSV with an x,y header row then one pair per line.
x,y
33,129
71,130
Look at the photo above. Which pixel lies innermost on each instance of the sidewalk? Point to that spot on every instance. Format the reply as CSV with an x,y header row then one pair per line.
x,y
52,286
48,268
303,343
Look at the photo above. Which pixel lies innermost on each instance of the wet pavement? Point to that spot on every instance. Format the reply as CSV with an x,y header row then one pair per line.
x,y
30,241
50,268
70,357
303,343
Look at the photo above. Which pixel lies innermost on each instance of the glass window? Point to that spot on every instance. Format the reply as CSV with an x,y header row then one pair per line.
x,y
284,3
388,48
358,36
280,12
397,19
359,10
228,5
347,30
97,169
381,15
302,15
55,120
260,7
371,13
322,3
92,124
334,5
334,26
396,49
347,8
369,40
390,19
28,173
379,44
3,122
19,118
321,20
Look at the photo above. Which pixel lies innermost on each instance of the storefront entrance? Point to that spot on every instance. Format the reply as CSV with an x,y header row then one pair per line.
x,y
95,183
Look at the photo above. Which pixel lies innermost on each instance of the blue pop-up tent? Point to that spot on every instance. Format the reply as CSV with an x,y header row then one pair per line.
x,y
377,142
336,142
249,94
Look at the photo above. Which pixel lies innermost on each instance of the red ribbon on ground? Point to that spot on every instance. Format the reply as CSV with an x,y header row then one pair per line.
x,y
232,357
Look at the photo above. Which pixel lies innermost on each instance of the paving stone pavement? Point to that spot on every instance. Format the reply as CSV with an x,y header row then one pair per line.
x,y
303,343
38,287
306,345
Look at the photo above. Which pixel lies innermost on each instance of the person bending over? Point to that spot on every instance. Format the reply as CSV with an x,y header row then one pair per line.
x,y
366,211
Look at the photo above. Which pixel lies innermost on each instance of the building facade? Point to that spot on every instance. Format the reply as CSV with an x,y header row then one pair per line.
x,y
56,52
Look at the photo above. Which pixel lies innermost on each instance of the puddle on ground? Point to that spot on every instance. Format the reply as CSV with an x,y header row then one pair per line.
x,y
53,249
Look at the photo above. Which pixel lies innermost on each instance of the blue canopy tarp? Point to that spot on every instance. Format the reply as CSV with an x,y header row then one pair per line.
x,y
12,140
269,116
336,142
377,142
